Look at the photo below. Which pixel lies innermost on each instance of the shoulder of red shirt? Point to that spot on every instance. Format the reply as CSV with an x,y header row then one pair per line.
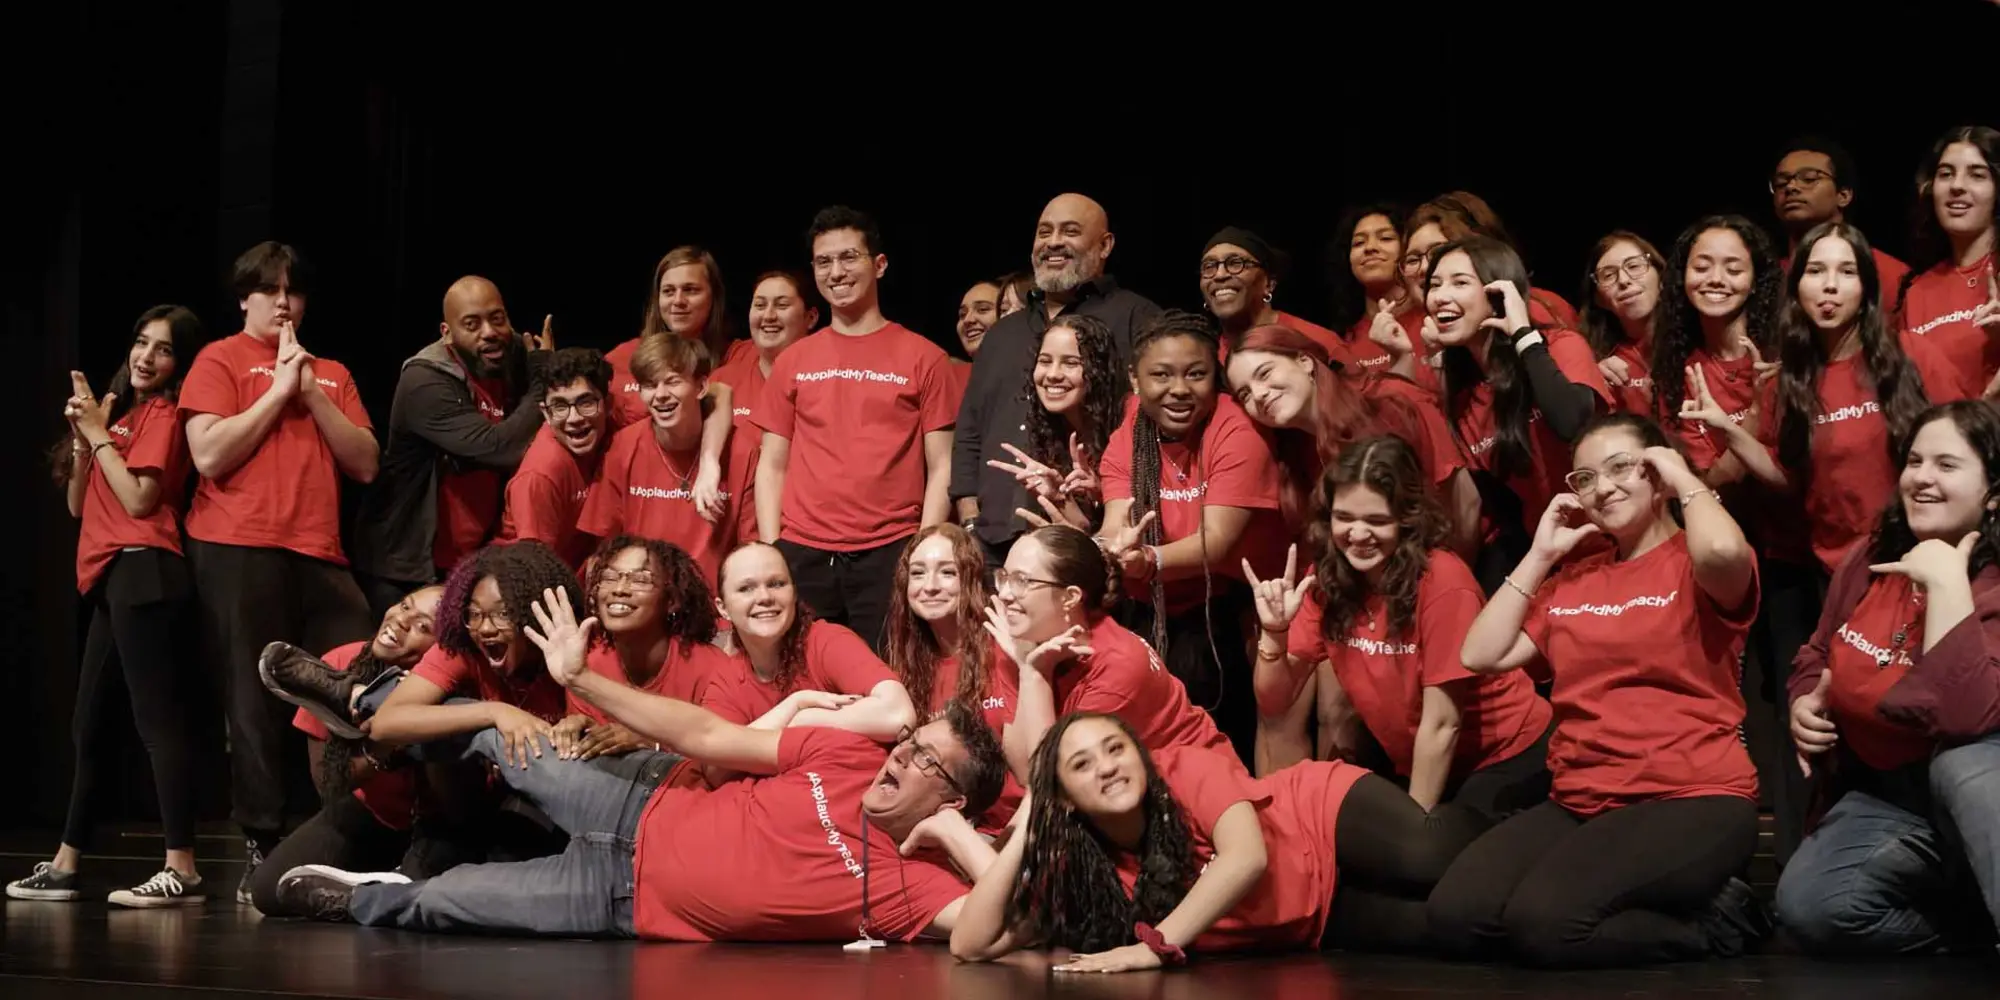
x,y
802,745
340,657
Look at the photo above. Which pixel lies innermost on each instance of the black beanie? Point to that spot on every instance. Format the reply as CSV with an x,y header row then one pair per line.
x,y
1272,258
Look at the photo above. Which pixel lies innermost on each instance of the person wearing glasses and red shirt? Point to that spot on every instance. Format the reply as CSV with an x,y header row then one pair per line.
x,y
1814,182
546,495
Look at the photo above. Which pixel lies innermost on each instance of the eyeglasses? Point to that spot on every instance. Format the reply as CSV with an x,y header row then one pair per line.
x,y
476,618
588,406
1413,263
638,579
1232,264
847,259
1635,267
923,758
1007,579
1806,178
1620,468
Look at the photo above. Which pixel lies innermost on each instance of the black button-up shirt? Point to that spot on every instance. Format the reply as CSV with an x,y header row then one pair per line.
x,y
995,410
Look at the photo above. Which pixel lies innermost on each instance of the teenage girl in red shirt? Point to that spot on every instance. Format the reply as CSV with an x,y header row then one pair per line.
x,y
1080,387
1951,295
1363,262
1896,713
936,640
123,464
1652,813
1621,291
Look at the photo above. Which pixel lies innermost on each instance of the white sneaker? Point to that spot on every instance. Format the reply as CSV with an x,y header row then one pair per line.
x,y
168,888
353,878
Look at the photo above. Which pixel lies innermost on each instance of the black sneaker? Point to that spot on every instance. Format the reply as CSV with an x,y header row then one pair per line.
x,y
253,856
168,888
304,680
47,884
320,892
1737,921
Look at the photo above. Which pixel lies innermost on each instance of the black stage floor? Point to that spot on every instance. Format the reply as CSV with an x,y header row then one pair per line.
x,y
85,951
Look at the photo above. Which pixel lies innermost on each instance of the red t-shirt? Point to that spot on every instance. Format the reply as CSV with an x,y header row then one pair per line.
x,y
468,501
1734,386
961,376
1122,677
1853,477
1336,348
1231,465
682,677
642,490
837,662
546,496
1636,395
1646,696
286,495
390,795
625,405
1867,660
856,410
1372,356
1938,310
1385,675
745,380
782,858
149,439
1298,809
1411,412
1546,308
531,690
1549,455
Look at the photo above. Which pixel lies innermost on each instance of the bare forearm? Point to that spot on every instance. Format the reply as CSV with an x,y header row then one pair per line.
x,y
354,449
716,426
220,446
1034,713
878,719
771,486
1746,454
1239,863
696,732
139,495
981,934
1430,763
937,495
79,481
1207,550
1494,633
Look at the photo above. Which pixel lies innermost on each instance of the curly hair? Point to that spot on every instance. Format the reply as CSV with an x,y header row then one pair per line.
x,y
1350,300
1979,423
1899,388
1389,466
1146,442
1599,325
1929,246
1676,324
914,648
687,606
523,570
184,331
792,645
1069,894
571,363
1103,404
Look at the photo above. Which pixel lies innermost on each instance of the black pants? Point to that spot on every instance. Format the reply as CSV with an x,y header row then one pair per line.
x,y
342,835
1208,650
138,621
1788,613
1392,853
381,595
249,598
1626,887
847,588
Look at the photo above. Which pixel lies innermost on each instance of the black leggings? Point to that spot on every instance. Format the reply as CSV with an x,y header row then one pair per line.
x,y
138,618
1215,667
1392,853
343,835
1625,887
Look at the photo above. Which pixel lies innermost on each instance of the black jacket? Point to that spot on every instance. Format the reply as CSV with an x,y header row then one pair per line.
x,y
995,410
434,427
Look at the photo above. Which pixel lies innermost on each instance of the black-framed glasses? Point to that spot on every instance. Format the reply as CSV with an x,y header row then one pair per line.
x,y
1413,263
1232,265
1806,178
924,758
588,406
1635,267
475,618
1007,579
847,259
1619,468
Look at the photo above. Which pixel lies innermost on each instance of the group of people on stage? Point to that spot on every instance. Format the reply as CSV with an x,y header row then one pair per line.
x,y
1476,623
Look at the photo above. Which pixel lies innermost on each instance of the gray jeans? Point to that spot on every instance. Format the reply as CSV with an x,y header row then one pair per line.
x,y
1875,878
586,891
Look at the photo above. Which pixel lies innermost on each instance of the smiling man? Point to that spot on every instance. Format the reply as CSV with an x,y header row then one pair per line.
x,y
545,496
1073,240
463,415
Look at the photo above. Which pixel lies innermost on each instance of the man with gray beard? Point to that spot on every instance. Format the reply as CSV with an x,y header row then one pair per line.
x,y
1073,239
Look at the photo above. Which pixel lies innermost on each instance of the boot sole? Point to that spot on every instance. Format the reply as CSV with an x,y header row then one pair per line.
x,y
335,725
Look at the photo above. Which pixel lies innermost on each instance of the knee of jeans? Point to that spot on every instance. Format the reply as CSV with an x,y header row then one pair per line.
x,y
1972,770
1833,914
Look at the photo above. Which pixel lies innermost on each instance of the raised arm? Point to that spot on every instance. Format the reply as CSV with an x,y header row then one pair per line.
x,y
1495,643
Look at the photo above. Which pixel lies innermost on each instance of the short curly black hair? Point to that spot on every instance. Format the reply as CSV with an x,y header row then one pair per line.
x,y
572,363
687,606
523,571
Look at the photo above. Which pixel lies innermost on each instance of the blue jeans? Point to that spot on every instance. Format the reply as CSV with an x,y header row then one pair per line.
x,y
1877,879
586,891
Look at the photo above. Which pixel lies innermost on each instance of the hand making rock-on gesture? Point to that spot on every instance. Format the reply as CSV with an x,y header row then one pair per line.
x,y
1278,601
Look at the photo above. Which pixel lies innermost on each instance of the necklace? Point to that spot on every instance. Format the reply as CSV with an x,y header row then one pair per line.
x,y
1180,474
1902,633
683,477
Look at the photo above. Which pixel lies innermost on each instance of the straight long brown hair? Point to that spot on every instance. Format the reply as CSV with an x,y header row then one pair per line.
x,y
913,648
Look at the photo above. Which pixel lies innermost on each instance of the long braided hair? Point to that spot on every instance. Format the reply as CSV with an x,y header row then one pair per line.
x,y
1146,440
335,781
1069,894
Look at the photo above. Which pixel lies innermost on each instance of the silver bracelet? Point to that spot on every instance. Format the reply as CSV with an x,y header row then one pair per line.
x,y
1509,580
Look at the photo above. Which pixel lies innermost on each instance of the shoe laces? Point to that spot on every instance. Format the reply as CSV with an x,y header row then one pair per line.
x,y
166,883
43,869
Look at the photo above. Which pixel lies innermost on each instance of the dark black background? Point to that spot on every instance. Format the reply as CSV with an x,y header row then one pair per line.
x,y
562,152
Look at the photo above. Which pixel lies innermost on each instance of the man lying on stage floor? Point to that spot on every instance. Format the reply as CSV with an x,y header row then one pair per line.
x,y
841,835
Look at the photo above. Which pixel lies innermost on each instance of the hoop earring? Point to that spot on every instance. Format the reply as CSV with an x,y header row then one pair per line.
x,y
1267,298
